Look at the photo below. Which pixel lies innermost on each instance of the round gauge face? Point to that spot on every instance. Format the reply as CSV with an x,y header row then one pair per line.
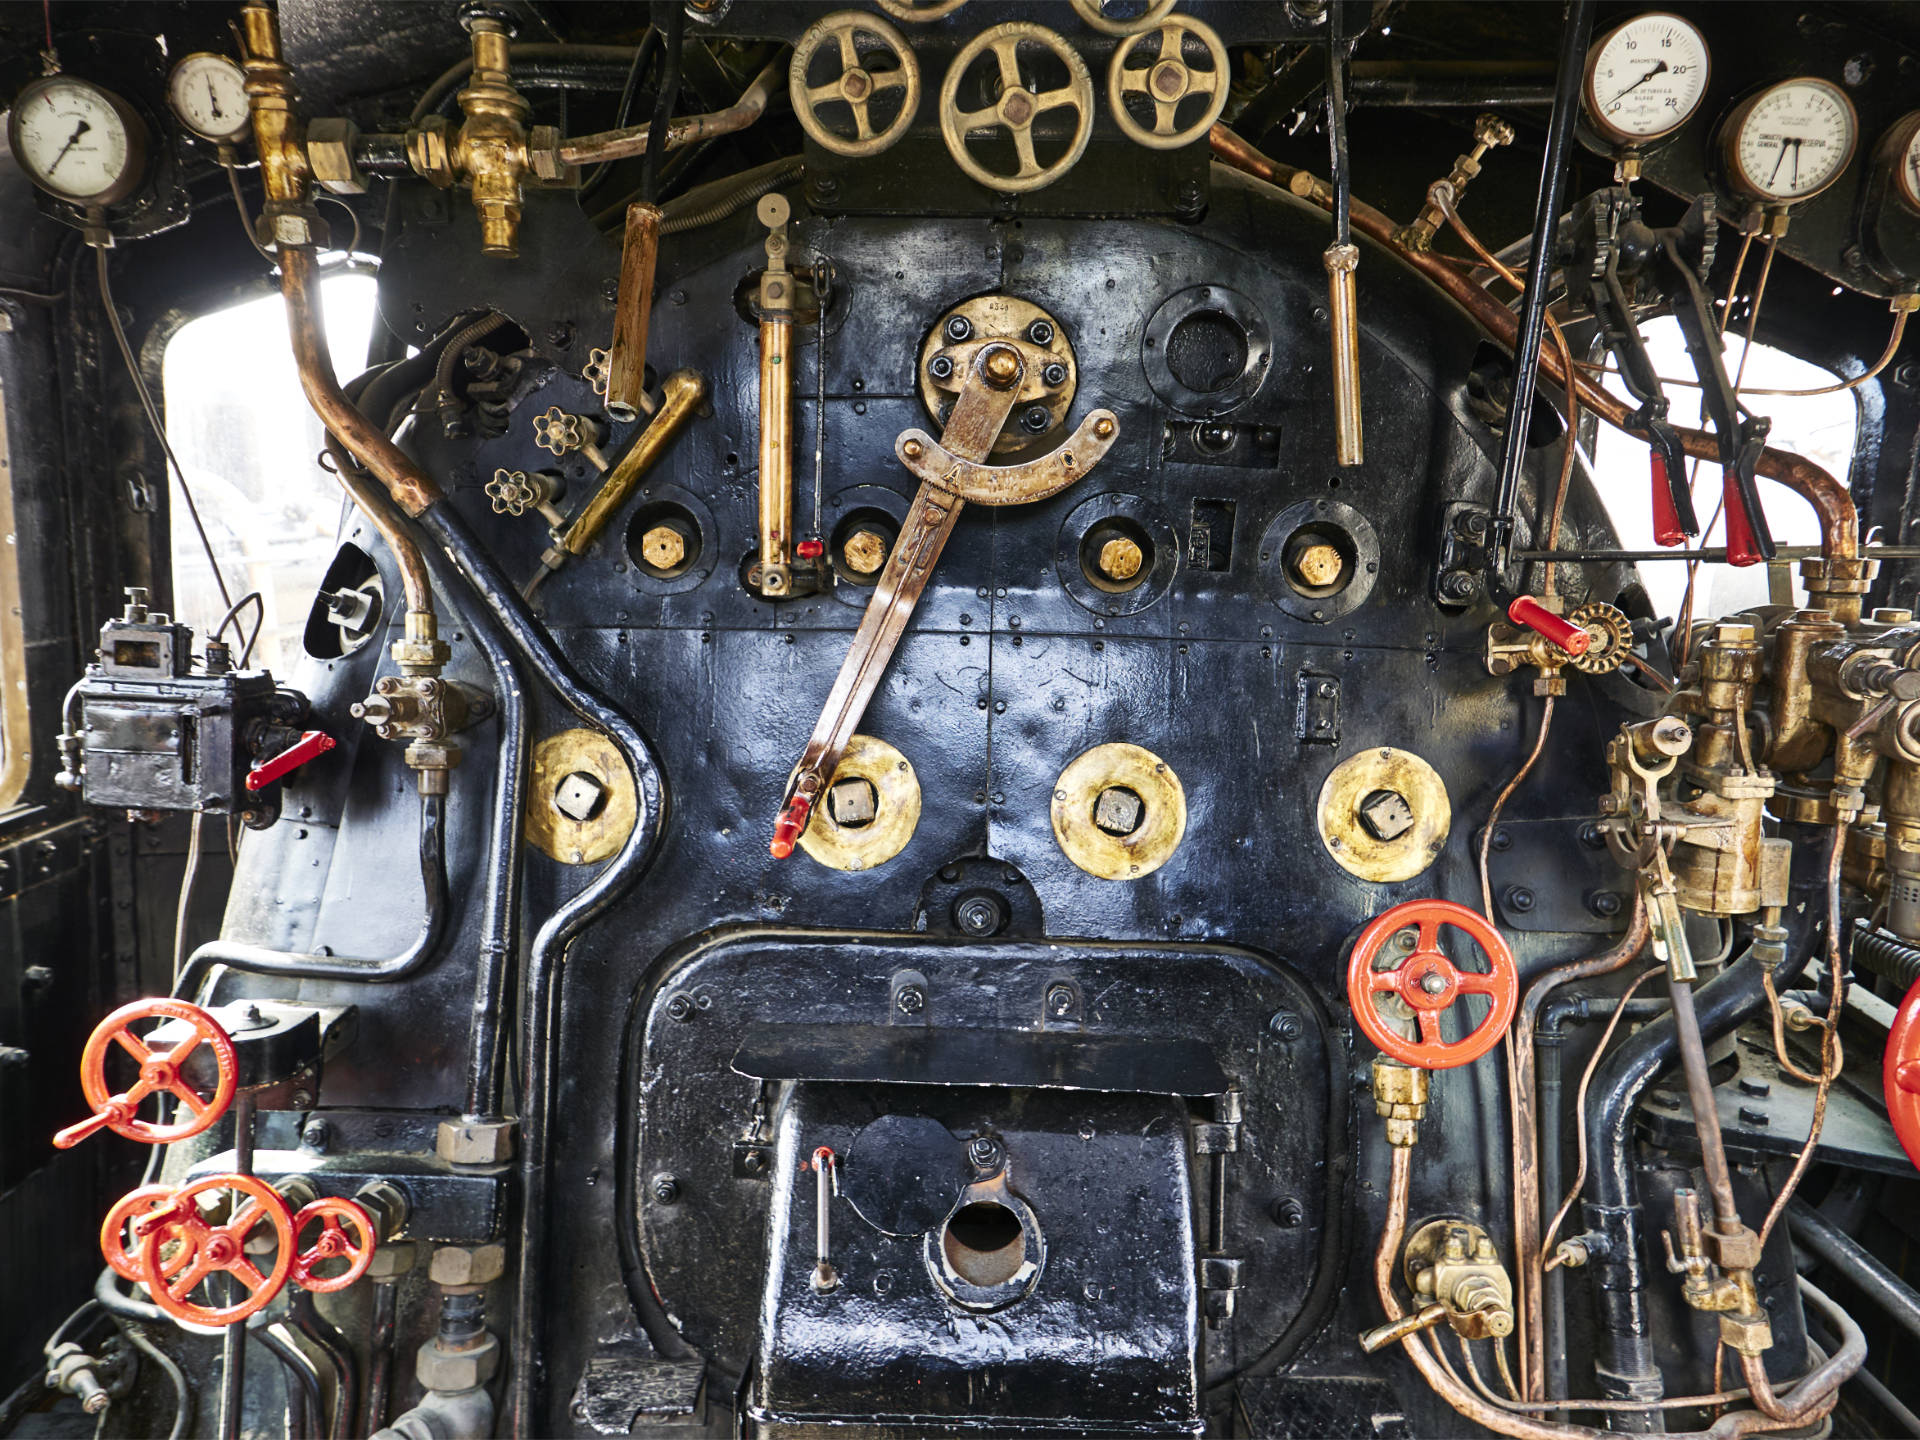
x,y
75,141
1646,79
209,94
1906,167
1792,140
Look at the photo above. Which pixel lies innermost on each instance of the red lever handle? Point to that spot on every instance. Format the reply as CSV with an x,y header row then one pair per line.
x,y
1527,611
791,825
1743,546
1667,529
810,549
309,746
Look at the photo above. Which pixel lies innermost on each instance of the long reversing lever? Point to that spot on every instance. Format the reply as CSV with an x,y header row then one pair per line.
x,y
952,473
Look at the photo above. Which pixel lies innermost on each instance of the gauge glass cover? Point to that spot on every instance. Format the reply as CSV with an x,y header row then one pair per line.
x,y
1793,140
73,140
1646,79
208,93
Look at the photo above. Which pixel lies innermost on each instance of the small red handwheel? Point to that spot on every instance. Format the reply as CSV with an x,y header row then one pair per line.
x,y
206,1248
126,1217
1428,982
160,1072
335,1217
1900,1074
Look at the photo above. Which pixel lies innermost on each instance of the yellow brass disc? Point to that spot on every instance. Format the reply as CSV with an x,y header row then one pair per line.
x,y
1081,801
602,792
896,809
1393,772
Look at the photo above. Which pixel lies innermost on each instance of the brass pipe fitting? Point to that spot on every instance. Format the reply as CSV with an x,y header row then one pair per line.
x,y
1400,1098
1343,308
627,357
494,151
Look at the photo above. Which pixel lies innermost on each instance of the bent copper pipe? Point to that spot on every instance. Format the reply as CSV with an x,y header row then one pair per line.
x,y
635,139
1526,1134
1839,523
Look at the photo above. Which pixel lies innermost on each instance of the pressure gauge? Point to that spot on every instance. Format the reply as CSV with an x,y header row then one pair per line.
x,y
1645,79
209,95
1791,141
77,141
1900,153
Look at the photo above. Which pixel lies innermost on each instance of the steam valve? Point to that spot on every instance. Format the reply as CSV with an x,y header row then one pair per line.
x,y
1427,983
161,1071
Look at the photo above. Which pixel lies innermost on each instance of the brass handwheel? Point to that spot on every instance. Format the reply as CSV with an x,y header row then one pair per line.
x,y
1168,83
857,84
1090,11
1017,107
919,12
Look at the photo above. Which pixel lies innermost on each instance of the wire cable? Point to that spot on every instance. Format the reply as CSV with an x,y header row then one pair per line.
x,y
153,419
182,1396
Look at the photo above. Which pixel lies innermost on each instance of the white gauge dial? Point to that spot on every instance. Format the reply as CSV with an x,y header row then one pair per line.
x,y
76,141
1645,79
209,94
1791,141
1906,164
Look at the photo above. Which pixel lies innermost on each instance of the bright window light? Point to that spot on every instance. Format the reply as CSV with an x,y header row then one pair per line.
x,y
1820,427
247,440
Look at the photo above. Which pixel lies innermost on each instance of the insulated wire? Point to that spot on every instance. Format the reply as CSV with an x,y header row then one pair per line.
x,y
182,1397
153,419
664,100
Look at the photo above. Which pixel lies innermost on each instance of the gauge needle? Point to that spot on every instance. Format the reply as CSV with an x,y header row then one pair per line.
x,y
1780,160
1796,164
213,103
72,140
1659,68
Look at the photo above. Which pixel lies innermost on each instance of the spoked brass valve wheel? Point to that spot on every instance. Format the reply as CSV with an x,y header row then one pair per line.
x,y
857,84
1429,983
1168,83
1017,107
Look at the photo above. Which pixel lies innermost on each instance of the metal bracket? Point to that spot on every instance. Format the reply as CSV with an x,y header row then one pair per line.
x,y
980,484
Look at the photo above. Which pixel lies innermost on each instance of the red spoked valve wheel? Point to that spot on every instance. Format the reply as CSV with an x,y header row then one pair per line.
x,y
160,1073
345,1233
1429,983
129,1217
1900,1074
182,1249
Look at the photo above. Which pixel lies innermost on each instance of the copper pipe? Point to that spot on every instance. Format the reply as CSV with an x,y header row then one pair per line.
x,y
1528,1260
1801,1410
378,509
634,139
627,361
1839,523
1813,1397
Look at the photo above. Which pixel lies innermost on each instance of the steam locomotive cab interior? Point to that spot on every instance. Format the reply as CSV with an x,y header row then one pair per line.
x,y
1011,717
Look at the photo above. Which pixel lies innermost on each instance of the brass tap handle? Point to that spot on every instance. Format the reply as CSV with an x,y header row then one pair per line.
x,y
1381,1336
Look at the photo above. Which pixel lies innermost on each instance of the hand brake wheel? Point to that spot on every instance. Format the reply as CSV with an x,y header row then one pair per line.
x,y
857,84
1016,108
1429,983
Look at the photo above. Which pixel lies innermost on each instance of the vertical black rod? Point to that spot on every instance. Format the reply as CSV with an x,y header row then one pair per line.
x,y
1548,1039
1339,164
1533,317
373,1415
233,1370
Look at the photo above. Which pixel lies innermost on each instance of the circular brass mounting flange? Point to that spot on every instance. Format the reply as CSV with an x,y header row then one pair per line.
x,y
1346,835
1160,823
609,814
896,809
1051,374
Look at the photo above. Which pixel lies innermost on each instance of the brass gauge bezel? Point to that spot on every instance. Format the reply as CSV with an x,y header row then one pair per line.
x,y
131,174
245,119
1728,143
1589,102
1891,154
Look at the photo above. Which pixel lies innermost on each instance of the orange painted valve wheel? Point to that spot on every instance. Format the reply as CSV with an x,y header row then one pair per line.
x,y
1429,983
346,1233
130,1216
162,1071
1900,1074
182,1249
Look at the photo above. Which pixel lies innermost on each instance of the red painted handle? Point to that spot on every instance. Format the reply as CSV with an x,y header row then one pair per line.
x,y
1667,529
1900,1075
810,549
1743,548
309,746
1527,611
791,825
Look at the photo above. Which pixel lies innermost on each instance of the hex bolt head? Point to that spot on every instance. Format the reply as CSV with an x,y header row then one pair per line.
x,y
681,1007
1604,903
1287,1025
941,367
1040,332
663,547
666,1189
910,1000
983,1151
1759,1089
1061,1001
1752,1115
1036,419
1518,899
317,1135
1288,1213
1055,375
754,1162
978,914
959,328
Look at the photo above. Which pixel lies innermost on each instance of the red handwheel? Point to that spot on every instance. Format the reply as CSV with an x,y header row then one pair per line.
x,y
128,1217
1900,1074
160,1073
1428,982
204,1248
346,1233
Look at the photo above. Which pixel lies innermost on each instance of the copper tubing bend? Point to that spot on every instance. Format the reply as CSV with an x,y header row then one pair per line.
x,y
1839,523
635,139
1813,1397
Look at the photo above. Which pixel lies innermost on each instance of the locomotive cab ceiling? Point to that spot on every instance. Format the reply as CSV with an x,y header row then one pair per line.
x,y
1004,717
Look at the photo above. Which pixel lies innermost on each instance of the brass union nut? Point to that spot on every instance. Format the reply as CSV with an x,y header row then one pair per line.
x,y
1739,1251
1748,1334
467,1264
1399,1098
663,547
1317,565
1120,558
330,156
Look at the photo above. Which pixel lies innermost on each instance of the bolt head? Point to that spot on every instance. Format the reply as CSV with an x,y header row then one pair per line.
x,y
941,367
1287,1025
911,1000
1288,1213
1055,375
681,1007
959,328
1317,565
865,551
666,1189
663,547
1519,899
1036,419
1040,332
317,1135
1118,810
1386,815
1060,1001
1121,558
984,1152
1001,367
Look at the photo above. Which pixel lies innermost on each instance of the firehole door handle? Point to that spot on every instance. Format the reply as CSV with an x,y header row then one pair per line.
x,y
310,746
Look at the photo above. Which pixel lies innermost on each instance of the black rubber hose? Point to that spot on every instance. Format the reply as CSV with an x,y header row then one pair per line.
x,y
182,1396
306,1399
106,1290
1533,315
1885,954
1845,1256
257,960
540,1020
664,100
